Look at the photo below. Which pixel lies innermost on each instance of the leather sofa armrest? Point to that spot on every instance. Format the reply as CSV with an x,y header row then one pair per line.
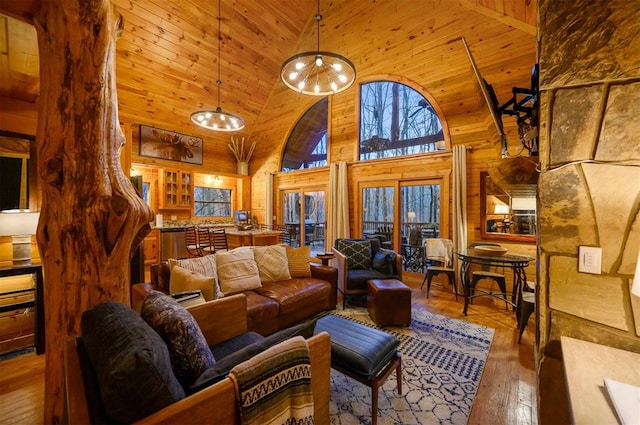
x,y
160,275
330,274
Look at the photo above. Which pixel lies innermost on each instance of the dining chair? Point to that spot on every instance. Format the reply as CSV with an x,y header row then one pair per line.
x,y
191,239
485,273
219,239
204,240
439,250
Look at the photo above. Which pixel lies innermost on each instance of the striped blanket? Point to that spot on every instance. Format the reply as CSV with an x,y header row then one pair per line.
x,y
274,387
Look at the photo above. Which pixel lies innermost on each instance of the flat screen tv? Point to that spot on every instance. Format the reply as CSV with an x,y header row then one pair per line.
x,y
490,99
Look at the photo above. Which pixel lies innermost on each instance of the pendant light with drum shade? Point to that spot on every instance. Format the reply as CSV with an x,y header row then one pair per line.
x,y
318,73
218,120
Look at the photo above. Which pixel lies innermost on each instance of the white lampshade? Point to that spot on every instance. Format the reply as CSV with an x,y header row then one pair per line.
x,y
501,209
526,204
20,225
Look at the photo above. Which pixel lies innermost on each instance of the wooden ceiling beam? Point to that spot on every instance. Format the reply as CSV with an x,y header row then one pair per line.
x,y
23,10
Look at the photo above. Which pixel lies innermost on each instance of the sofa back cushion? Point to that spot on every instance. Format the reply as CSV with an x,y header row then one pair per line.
x,y
237,270
272,262
299,260
357,251
384,261
124,352
190,355
205,266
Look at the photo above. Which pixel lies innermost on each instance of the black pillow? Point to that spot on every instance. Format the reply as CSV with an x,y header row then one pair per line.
x,y
383,261
221,369
125,352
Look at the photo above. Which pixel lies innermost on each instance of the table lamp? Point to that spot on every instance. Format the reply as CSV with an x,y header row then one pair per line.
x,y
20,225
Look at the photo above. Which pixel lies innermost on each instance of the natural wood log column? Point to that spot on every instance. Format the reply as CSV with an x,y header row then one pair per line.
x,y
91,216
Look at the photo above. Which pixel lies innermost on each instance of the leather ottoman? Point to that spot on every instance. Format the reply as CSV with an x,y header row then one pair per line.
x,y
389,302
363,353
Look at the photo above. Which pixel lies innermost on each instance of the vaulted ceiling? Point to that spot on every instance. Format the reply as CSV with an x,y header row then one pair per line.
x,y
167,55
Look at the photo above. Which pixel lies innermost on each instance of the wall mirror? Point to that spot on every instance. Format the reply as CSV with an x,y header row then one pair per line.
x,y
507,213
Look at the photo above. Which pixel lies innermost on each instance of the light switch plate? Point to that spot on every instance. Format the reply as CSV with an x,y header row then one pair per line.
x,y
590,259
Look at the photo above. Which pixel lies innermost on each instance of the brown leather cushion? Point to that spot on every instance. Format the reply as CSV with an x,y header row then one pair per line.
x,y
260,308
295,293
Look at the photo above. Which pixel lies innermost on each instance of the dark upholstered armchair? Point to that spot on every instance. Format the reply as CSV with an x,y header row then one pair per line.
x,y
359,260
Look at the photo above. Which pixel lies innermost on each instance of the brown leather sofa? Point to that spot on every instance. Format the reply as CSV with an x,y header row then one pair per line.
x,y
275,305
216,404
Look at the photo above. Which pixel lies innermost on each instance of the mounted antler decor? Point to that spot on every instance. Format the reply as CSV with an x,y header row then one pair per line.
x,y
242,156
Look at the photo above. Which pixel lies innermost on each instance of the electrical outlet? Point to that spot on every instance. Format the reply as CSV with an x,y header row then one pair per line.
x,y
590,259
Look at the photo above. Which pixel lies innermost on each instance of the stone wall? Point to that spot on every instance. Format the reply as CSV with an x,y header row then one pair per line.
x,y
589,187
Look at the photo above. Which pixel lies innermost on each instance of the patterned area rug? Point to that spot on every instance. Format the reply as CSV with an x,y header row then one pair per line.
x,y
442,363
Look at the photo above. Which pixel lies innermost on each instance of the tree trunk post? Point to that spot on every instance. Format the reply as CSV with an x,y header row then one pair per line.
x,y
91,216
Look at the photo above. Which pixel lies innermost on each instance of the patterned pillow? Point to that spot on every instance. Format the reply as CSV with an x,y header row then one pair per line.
x,y
188,349
182,280
272,262
299,261
237,270
358,253
205,265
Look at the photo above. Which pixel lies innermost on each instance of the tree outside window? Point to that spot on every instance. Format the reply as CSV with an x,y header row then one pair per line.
x,y
396,120
212,202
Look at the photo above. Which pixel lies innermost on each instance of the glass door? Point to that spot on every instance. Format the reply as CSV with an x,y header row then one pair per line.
x,y
378,212
305,217
420,219
402,214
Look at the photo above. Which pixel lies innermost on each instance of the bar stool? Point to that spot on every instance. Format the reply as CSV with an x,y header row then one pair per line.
x,y
191,239
204,240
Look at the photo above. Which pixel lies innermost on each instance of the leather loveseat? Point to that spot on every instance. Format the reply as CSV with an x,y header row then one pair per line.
x,y
273,306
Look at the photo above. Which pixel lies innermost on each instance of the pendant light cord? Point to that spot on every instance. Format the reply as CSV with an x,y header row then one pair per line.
x,y
219,81
318,18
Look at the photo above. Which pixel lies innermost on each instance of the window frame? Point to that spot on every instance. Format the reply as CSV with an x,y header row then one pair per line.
x,y
196,202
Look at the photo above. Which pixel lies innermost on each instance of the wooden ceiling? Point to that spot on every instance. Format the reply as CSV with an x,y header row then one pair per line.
x,y
167,55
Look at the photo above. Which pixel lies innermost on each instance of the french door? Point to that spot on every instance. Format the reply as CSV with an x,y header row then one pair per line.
x,y
405,213
304,215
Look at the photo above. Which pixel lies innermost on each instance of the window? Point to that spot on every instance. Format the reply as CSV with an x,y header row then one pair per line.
x,y
212,202
396,120
307,144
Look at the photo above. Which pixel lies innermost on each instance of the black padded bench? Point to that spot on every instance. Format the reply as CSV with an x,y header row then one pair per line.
x,y
362,353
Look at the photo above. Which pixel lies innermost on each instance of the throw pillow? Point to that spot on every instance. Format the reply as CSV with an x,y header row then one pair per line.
x,y
383,261
183,280
205,265
272,262
124,351
237,271
358,253
190,354
222,368
299,261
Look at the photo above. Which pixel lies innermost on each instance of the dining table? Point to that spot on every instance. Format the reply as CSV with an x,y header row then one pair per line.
x,y
471,256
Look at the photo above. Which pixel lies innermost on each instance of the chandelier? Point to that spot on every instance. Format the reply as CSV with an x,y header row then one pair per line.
x,y
318,73
218,120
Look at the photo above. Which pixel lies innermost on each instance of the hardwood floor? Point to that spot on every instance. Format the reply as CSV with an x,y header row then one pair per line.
x,y
506,394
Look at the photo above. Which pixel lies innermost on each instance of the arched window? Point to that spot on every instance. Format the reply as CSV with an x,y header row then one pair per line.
x,y
396,120
307,144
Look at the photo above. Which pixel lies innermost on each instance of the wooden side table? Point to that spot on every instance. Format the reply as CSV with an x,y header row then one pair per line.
x,y
325,258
